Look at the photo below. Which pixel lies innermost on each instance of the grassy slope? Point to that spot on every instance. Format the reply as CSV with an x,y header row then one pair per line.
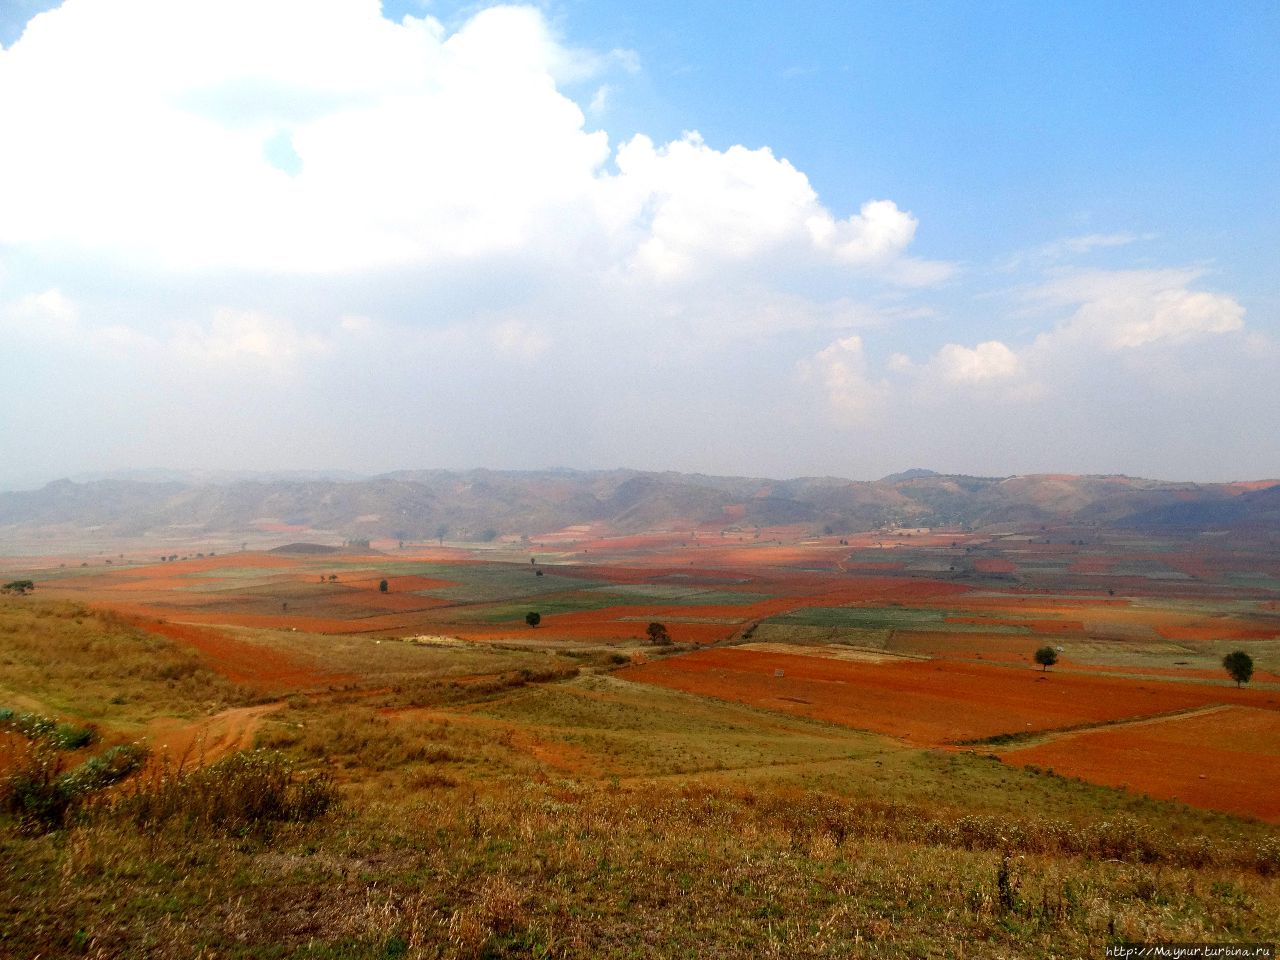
x,y
498,803
67,659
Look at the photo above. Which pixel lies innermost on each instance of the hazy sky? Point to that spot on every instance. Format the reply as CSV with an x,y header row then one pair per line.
x,y
760,238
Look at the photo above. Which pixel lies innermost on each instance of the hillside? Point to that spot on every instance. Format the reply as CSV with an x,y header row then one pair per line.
x,y
475,504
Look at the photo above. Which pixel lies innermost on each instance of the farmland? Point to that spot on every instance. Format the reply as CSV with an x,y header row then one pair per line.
x,y
836,717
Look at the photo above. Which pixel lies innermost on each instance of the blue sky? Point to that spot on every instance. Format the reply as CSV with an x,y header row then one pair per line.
x,y
769,239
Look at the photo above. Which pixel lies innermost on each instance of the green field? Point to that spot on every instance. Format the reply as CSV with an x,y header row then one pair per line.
x,y
888,618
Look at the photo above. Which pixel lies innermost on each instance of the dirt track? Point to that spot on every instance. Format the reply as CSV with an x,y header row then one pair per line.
x,y
207,740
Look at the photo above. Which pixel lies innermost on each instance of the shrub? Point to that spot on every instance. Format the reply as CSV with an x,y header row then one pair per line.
x,y
241,793
42,797
34,726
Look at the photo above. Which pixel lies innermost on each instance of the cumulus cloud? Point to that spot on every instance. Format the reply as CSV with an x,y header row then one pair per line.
x,y
52,319
986,362
285,137
1128,309
842,370
1123,324
236,337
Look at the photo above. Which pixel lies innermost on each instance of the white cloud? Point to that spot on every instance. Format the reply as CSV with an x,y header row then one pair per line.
x,y
698,205
146,124
697,208
51,318
988,361
1088,243
877,232
841,368
1127,309
600,99
1126,325
236,337
49,315
307,138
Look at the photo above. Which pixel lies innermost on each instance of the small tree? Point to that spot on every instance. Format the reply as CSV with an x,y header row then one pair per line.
x,y
1240,665
382,586
1046,657
533,618
19,586
658,634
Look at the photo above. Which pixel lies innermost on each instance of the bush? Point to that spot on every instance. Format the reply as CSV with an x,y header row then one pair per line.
x,y
34,726
241,793
45,798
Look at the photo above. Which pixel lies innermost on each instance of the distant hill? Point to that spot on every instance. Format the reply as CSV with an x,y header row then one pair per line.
x,y
478,504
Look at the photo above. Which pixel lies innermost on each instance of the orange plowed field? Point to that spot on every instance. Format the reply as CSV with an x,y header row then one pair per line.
x,y
244,662
1228,759
929,702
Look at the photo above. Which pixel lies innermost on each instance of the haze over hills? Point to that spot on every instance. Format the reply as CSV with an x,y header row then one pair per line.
x,y
478,504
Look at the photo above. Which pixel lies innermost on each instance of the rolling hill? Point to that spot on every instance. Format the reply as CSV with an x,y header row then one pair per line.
x,y
478,504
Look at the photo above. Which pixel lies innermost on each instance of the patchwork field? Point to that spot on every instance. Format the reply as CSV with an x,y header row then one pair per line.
x,y
928,702
851,714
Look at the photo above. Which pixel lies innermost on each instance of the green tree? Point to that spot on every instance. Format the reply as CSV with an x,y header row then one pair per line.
x,y
1240,665
658,634
382,586
533,618
19,586
1046,657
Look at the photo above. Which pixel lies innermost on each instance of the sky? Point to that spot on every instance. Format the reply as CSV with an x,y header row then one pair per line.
x,y
824,238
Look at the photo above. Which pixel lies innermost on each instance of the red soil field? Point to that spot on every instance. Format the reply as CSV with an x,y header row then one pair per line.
x,y
933,702
244,662
1227,759
993,565
1218,630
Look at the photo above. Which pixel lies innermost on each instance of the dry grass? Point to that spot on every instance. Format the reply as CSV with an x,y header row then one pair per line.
x,y
560,869
65,658
522,808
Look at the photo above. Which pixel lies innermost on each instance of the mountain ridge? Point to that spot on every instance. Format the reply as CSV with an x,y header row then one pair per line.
x,y
482,503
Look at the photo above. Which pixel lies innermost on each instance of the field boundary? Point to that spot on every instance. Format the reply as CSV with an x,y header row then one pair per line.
x,y
1021,741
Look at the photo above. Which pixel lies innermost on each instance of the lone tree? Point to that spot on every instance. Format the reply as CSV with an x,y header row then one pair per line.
x,y
533,618
1240,665
1046,657
382,586
658,634
19,586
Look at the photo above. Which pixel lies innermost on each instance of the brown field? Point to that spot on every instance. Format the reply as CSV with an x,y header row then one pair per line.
x,y
928,703
1224,759
251,664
